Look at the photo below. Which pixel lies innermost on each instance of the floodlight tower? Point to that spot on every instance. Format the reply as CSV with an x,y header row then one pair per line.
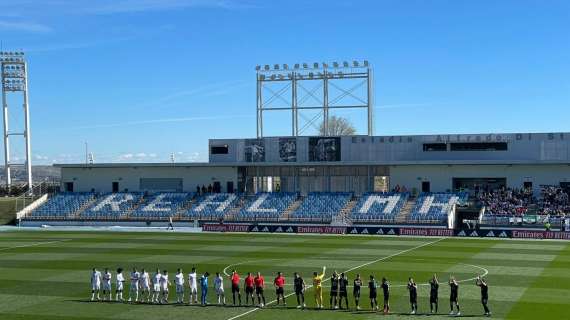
x,y
304,82
14,71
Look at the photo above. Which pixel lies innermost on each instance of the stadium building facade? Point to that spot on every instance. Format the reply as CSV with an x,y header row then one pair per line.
x,y
359,164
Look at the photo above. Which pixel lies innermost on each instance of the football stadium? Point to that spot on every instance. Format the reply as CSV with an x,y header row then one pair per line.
x,y
328,225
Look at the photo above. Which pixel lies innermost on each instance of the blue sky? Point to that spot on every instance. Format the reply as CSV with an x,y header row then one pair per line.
x,y
142,79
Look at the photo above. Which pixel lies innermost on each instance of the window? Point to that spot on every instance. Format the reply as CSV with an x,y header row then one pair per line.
x,y
479,146
219,149
435,147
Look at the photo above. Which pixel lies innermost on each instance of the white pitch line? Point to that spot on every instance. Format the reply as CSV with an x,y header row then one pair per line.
x,y
33,244
233,265
351,269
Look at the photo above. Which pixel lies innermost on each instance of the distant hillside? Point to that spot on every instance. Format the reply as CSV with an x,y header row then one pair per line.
x,y
39,173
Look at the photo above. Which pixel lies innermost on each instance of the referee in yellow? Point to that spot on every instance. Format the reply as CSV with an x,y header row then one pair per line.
x,y
317,283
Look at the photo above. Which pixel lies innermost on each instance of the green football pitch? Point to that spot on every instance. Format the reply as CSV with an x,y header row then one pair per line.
x,y
45,274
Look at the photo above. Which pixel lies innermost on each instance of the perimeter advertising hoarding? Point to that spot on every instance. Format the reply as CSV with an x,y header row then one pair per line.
x,y
404,231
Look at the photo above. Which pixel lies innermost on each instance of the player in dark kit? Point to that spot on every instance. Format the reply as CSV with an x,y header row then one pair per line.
x,y
413,289
433,293
299,284
334,290
484,294
386,290
356,285
342,293
454,296
373,288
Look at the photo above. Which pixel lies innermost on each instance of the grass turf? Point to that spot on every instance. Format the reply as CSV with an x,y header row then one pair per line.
x,y
45,275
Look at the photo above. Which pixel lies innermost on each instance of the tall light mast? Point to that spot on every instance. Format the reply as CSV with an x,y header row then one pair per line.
x,y
14,72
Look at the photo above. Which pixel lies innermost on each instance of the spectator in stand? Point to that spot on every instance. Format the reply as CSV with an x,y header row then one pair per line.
x,y
507,201
552,205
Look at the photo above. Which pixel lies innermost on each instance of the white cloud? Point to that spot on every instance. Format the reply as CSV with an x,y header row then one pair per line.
x,y
25,26
125,157
194,157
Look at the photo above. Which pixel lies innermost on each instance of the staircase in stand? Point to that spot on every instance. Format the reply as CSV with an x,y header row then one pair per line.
x,y
179,215
343,218
292,207
143,201
233,212
80,211
402,217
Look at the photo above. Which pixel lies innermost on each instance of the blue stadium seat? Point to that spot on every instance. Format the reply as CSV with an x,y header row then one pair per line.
x,y
379,207
266,206
63,205
212,206
161,205
321,206
113,206
435,207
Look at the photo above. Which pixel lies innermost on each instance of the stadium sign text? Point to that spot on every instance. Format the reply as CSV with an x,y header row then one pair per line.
x,y
226,227
426,232
540,235
321,229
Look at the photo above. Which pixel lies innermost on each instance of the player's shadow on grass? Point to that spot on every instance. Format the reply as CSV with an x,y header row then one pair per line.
x,y
97,302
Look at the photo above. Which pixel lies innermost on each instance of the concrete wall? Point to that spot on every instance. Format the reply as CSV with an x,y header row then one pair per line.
x,y
529,147
100,179
441,176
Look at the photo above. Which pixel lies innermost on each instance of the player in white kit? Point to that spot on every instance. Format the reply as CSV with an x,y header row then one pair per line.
x,y
156,286
120,284
145,285
179,281
192,282
95,284
134,288
164,284
219,286
107,277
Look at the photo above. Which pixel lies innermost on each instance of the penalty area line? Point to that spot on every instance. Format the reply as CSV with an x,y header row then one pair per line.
x,y
349,270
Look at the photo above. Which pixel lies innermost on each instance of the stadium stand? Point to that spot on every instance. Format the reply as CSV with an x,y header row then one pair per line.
x,y
212,206
63,205
321,206
502,207
113,206
435,207
162,205
266,206
520,206
379,207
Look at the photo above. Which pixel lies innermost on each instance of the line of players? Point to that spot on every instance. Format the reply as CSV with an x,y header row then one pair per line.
x,y
155,289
